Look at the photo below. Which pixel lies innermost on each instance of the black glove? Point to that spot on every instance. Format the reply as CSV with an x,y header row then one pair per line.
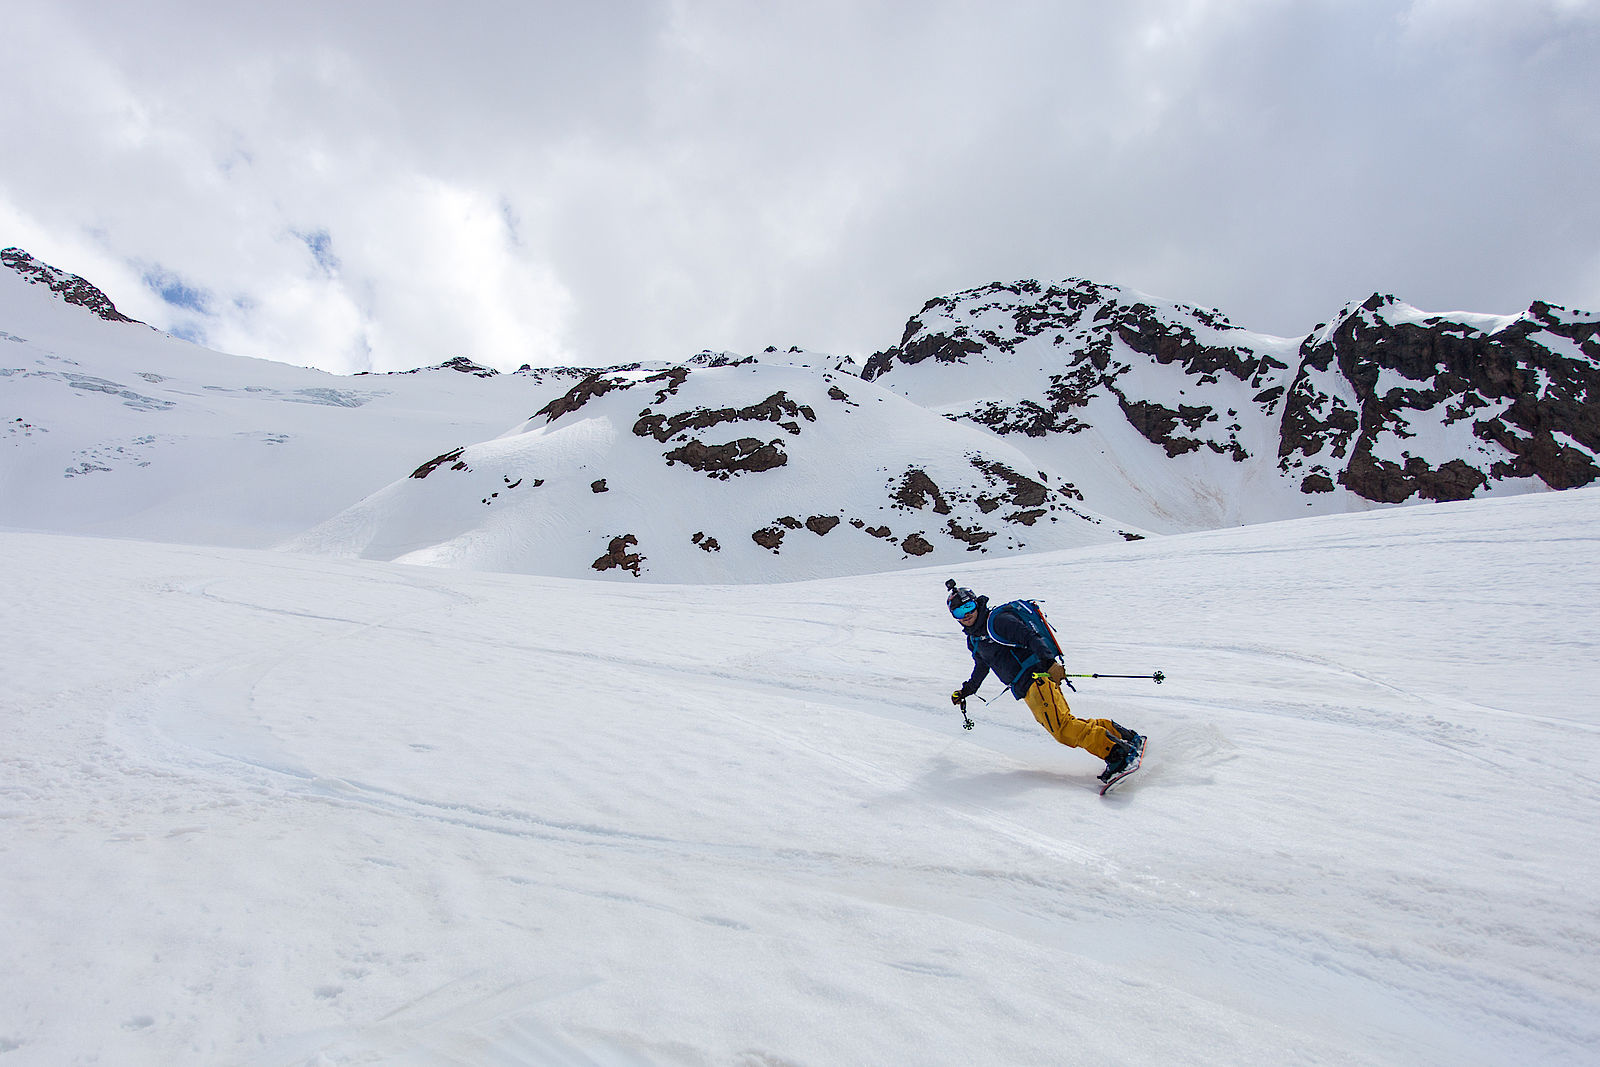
x,y
959,698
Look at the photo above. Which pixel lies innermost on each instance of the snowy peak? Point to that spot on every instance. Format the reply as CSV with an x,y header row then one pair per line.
x,y
1157,411
459,364
1393,402
69,287
1384,404
1078,341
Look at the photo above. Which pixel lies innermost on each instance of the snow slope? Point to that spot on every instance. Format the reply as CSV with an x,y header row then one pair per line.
x,y
749,471
114,428
259,808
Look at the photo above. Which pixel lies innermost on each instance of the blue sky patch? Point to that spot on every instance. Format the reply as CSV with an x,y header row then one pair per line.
x,y
177,292
190,331
320,243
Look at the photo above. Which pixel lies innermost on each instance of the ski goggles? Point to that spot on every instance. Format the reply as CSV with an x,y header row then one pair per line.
x,y
961,611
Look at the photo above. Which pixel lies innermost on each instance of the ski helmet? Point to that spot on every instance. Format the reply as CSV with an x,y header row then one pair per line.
x,y
958,598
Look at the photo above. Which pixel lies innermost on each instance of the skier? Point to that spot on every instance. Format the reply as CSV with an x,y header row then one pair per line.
x,y
1014,641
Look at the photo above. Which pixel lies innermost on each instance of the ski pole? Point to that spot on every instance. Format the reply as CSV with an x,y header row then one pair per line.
x,y
1157,677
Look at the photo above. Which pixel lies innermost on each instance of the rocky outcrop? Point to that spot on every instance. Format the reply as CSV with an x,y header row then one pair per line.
x,y
1387,403
1380,387
917,490
452,457
463,365
619,555
69,287
593,386
1090,339
822,524
745,456
777,408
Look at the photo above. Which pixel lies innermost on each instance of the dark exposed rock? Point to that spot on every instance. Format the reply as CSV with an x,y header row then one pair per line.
x,y
673,377
595,385
1316,482
916,490
708,358
745,455
1159,424
974,536
940,347
707,544
618,555
463,365
1390,483
916,545
1025,417
69,287
1142,330
775,408
544,374
881,532
821,524
452,457
768,537
598,486
1023,491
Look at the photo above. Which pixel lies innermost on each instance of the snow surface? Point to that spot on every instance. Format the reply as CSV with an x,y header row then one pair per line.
x,y
260,808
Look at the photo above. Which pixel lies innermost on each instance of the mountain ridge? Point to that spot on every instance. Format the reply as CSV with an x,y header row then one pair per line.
x,y
1016,416
1306,415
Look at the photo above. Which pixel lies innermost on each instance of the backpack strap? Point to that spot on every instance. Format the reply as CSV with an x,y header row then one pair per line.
x,y
1010,606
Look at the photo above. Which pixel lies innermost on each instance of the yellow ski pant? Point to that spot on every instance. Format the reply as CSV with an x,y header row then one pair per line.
x,y
1049,706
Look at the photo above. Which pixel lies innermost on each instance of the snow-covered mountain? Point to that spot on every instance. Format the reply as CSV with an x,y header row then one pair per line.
x,y
1010,418
1171,417
718,470
110,427
1397,404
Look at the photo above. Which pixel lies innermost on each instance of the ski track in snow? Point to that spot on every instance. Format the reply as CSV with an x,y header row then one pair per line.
x,y
421,817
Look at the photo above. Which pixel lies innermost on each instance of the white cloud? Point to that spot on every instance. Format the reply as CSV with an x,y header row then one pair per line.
x,y
610,181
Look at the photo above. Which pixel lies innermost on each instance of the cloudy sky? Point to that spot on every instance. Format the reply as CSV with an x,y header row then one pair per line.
x,y
383,185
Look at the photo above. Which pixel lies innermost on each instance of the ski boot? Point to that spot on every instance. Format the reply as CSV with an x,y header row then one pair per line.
x,y
1124,755
1132,738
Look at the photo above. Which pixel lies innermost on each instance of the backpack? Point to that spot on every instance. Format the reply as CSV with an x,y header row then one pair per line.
x,y
1029,612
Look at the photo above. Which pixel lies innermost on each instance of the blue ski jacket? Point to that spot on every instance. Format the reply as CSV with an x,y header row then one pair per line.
x,y
1015,663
